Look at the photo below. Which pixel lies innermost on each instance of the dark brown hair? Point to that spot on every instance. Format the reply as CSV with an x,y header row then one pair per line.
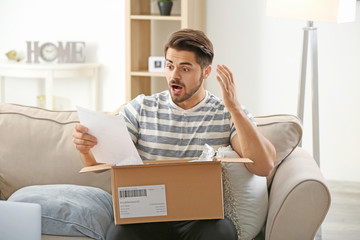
x,y
194,41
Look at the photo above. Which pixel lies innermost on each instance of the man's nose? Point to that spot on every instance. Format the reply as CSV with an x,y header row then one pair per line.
x,y
175,74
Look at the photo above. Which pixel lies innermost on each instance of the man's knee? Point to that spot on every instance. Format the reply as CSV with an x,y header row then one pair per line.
x,y
141,231
222,229
116,232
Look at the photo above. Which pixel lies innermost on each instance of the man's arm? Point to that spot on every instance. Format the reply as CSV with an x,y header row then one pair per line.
x,y
83,143
248,142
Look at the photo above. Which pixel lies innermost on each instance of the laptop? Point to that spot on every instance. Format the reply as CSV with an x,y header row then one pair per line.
x,y
20,221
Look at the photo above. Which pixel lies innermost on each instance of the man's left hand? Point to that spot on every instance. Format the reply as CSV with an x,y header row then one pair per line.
x,y
228,89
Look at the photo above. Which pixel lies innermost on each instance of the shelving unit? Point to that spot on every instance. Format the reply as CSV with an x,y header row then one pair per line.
x,y
146,35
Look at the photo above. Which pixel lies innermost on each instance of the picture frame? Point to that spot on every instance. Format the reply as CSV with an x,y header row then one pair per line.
x,y
156,64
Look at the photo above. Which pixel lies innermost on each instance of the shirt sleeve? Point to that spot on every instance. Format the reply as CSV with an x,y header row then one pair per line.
x,y
131,113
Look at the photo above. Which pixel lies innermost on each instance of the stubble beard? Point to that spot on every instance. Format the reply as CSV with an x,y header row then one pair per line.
x,y
187,95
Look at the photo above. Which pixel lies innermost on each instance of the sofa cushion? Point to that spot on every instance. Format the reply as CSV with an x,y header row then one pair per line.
x,y
284,132
70,210
37,149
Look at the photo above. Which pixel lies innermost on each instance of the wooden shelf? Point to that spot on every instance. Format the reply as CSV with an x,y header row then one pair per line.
x,y
156,17
147,32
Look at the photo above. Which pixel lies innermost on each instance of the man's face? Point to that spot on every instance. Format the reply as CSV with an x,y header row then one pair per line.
x,y
185,78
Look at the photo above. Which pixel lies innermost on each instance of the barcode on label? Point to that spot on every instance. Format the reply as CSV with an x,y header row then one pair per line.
x,y
142,201
132,193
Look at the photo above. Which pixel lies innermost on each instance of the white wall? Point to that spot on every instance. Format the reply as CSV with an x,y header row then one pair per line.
x,y
264,54
100,23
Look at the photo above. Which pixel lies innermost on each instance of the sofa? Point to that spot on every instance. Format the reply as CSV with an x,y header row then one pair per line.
x,y
38,162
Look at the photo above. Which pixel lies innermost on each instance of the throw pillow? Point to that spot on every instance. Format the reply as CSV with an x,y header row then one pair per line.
x,y
245,197
70,210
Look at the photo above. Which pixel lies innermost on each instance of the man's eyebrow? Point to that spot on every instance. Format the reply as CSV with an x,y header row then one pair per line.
x,y
182,63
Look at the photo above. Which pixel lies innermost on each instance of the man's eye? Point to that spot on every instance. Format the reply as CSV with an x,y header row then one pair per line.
x,y
169,67
186,69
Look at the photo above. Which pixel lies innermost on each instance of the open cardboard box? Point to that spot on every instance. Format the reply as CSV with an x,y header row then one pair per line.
x,y
172,190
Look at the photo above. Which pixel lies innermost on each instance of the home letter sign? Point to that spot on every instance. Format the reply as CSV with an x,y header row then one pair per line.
x,y
68,52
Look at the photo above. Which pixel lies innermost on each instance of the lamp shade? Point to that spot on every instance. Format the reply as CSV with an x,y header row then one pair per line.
x,y
313,10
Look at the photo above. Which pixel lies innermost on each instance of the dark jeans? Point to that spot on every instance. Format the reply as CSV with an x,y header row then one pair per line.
x,y
219,229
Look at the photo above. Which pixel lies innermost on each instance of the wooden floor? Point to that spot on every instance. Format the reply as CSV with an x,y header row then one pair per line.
x,y
343,219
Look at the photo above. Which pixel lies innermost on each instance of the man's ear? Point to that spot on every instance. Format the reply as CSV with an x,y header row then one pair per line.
x,y
207,72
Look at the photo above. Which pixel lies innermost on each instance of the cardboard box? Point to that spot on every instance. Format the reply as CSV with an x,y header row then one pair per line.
x,y
174,190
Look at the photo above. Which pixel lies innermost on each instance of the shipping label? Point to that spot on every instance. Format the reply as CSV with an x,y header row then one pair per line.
x,y
142,201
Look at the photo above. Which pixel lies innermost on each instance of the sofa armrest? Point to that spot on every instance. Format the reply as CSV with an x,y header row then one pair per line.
x,y
299,199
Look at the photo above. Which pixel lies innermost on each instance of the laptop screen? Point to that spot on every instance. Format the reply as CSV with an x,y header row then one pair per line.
x,y
19,221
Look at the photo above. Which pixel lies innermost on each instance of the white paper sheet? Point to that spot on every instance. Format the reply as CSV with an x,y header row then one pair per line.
x,y
114,142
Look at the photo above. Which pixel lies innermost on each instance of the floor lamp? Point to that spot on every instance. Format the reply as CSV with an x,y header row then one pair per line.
x,y
338,11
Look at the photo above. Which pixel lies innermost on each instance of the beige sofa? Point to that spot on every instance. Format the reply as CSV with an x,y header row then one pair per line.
x,y
36,149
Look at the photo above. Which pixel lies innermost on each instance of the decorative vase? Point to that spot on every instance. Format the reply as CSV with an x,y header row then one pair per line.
x,y
165,8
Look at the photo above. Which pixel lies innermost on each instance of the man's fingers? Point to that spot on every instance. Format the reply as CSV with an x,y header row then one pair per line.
x,y
222,84
85,139
228,72
222,77
84,136
81,128
225,75
83,142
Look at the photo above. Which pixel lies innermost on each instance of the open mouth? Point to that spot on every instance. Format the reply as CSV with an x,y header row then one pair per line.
x,y
176,89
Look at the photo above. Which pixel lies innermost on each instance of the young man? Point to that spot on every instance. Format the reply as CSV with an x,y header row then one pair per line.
x,y
178,122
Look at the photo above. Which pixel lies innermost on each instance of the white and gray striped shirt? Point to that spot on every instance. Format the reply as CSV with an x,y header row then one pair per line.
x,y
162,130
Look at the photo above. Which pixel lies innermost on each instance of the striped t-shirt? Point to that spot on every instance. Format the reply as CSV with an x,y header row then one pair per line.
x,y
162,130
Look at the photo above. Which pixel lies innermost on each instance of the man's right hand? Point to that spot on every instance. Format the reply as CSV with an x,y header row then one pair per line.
x,y
82,140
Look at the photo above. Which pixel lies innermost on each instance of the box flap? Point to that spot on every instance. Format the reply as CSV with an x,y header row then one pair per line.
x,y
105,167
149,162
234,160
97,168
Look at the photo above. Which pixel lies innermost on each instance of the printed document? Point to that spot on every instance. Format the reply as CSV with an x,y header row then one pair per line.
x,y
114,144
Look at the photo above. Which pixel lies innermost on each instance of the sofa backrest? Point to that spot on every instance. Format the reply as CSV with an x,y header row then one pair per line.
x,y
36,148
284,132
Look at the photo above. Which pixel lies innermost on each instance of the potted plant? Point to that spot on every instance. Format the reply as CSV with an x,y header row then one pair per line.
x,y
165,7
